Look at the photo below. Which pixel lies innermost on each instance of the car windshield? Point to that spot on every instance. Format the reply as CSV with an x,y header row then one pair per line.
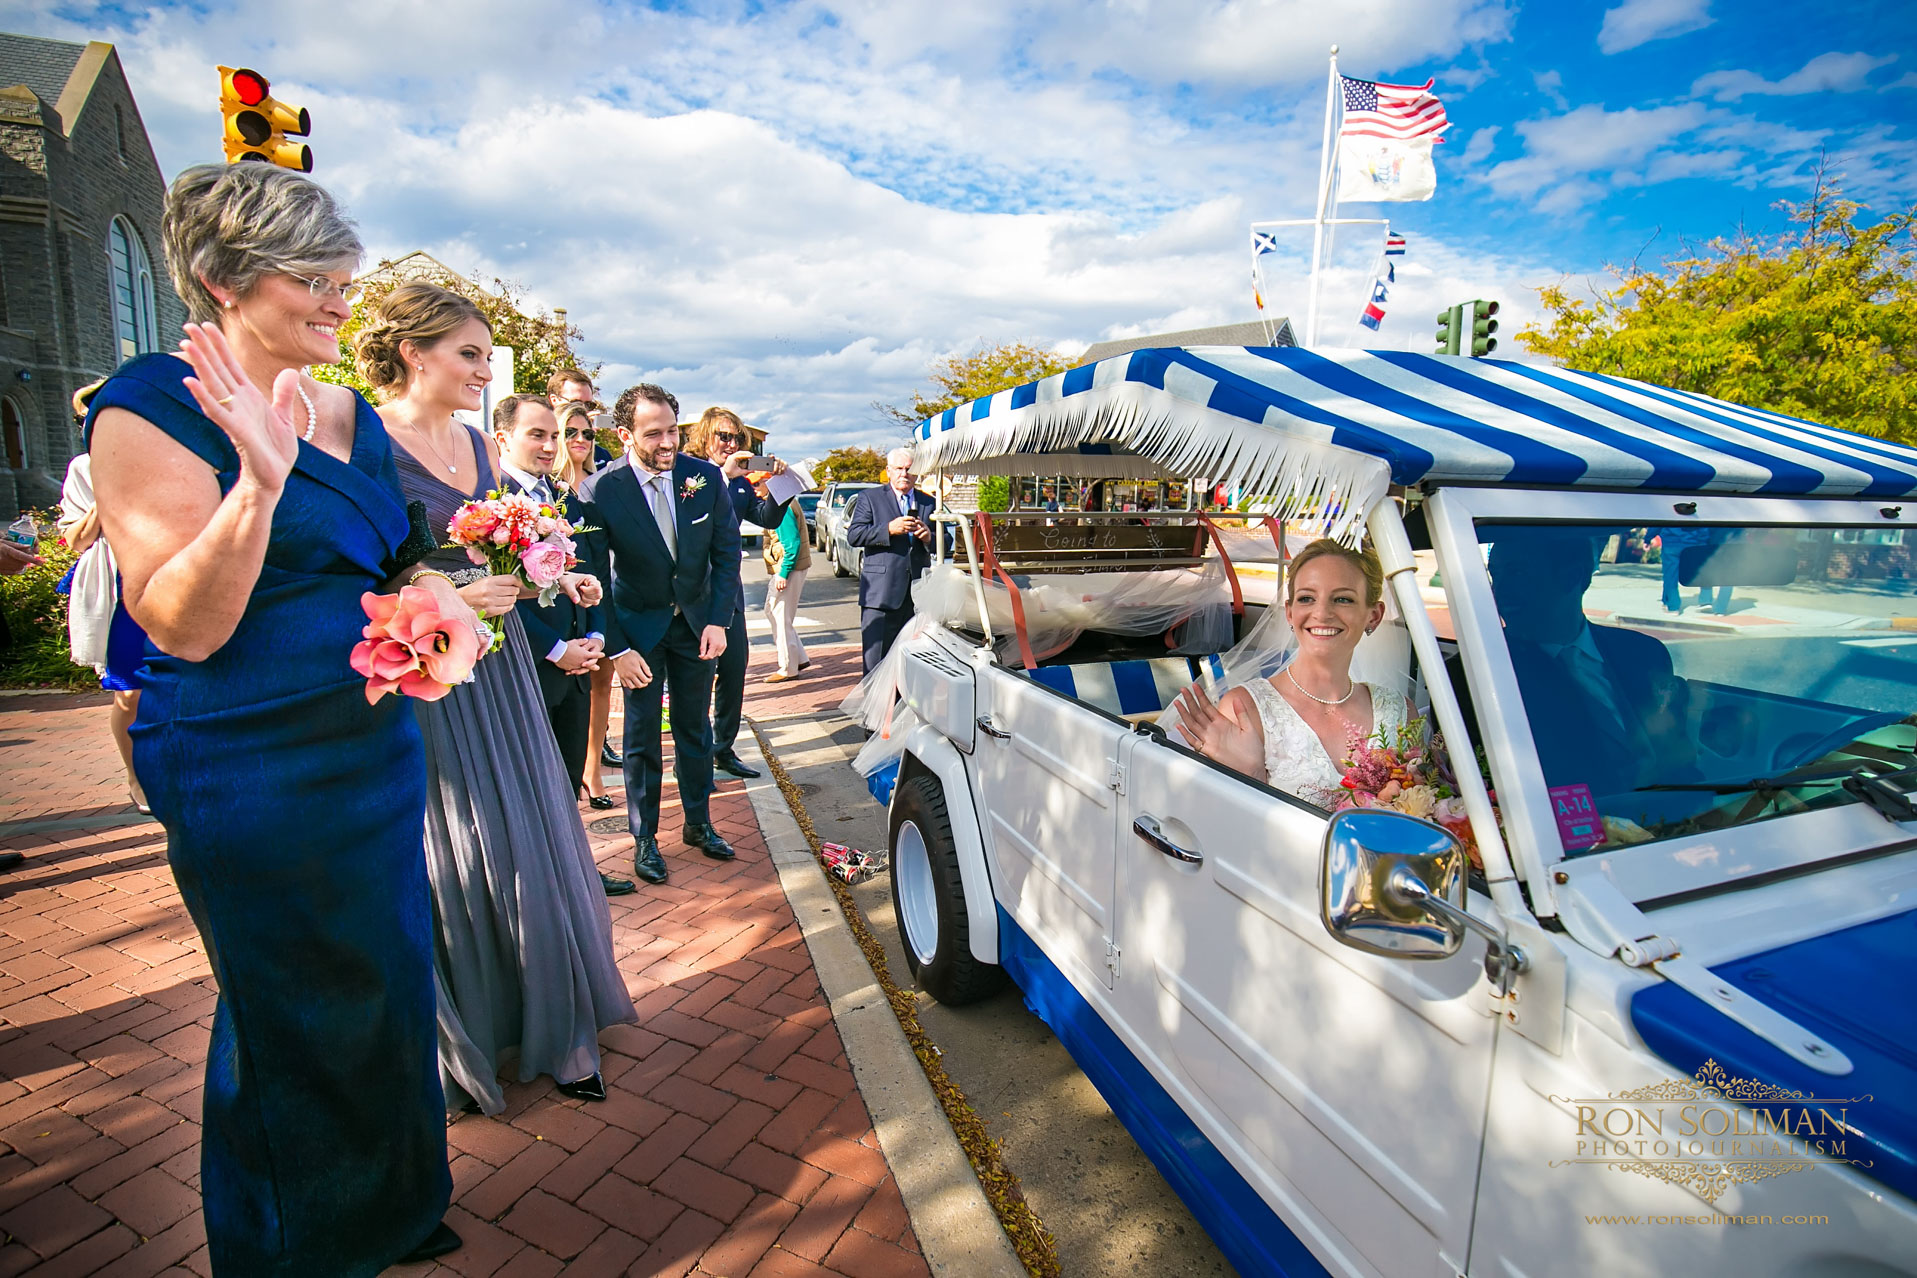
x,y
1680,680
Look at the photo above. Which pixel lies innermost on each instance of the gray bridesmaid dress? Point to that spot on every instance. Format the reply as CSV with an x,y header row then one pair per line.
x,y
523,964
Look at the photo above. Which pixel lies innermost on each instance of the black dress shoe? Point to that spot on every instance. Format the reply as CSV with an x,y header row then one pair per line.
x,y
646,861
611,757
707,840
438,1243
732,763
590,1088
599,802
616,887
10,859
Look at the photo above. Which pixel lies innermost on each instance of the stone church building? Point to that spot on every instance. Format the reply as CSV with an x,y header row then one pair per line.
x,y
83,284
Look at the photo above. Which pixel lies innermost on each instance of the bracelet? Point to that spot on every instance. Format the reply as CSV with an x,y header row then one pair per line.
x,y
431,572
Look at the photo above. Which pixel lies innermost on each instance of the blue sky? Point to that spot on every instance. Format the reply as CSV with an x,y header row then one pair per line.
x,y
793,209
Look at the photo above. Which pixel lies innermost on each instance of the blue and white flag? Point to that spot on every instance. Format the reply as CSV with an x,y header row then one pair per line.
x,y
1263,242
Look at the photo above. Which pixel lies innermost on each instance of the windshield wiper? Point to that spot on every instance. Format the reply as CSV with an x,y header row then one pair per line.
x,y
1888,792
1783,781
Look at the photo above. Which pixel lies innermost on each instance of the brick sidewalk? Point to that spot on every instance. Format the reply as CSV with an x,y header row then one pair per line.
x,y
734,1141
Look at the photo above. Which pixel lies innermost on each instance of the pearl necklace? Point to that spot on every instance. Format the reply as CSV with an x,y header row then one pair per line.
x,y
312,418
1314,696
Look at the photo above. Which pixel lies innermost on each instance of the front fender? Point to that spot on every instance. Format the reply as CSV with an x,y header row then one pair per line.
x,y
927,748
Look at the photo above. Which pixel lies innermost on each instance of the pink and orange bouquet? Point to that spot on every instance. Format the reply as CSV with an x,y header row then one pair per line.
x,y
511,535
1408,773
411,647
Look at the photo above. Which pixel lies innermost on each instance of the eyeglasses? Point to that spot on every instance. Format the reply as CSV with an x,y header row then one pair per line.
x,y
320,286
727,437
575,432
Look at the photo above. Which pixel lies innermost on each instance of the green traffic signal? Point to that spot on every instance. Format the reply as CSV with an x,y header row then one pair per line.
x,y
1483,325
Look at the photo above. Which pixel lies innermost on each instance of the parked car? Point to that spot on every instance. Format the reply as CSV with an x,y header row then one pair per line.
x,y
809,507
836,503
1676,990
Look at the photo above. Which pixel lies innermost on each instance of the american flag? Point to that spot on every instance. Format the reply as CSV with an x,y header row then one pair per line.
x,y
1399,111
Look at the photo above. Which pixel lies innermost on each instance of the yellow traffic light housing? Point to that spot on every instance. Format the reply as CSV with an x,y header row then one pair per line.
x,y
257,124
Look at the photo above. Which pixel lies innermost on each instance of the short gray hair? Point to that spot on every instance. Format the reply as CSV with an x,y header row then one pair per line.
x,y
901,451
232,223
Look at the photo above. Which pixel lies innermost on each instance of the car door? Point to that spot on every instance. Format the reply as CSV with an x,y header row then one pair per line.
x,y
1046,764
1350,1089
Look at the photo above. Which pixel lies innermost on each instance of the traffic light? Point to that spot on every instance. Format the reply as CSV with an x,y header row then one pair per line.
x,y
1450,331
257,125
1483,325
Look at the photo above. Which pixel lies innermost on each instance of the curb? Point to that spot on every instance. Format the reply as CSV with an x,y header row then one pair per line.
x,y
957,1229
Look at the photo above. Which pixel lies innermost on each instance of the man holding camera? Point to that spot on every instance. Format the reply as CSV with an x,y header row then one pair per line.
x,y
894,525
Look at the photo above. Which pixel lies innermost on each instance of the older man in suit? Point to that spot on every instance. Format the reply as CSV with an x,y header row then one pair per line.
x,y
893,524
668,525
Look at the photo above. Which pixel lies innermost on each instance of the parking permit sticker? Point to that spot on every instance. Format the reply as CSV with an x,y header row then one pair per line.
x,y
1578,822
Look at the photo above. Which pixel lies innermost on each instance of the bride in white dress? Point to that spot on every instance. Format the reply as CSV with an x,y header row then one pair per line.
x,y
1294,729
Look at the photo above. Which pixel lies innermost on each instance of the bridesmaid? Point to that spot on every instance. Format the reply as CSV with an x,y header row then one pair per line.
x,y
524,963
250,507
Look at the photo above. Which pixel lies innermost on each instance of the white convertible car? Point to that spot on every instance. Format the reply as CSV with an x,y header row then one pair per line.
x,y
1668,1026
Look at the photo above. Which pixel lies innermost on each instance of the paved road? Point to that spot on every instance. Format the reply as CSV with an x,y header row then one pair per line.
x,y
1109,1209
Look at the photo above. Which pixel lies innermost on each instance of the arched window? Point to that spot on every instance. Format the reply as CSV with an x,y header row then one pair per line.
x,y
133,327
13,435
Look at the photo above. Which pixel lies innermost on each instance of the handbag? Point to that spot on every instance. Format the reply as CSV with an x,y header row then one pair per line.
x,y
773,552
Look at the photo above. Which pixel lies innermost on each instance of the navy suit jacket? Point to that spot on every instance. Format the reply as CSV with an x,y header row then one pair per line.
x,y
564,619
763,511
892,563
644,584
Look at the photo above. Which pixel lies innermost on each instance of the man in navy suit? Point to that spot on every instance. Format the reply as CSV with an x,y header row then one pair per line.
x,y
668,525
567,640
894,525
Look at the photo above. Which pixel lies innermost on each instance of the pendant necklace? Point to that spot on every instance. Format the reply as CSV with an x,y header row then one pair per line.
x,y
1323,701
419,434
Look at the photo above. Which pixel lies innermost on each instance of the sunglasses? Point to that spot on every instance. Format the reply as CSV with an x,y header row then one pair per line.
x,y
727,437
578,432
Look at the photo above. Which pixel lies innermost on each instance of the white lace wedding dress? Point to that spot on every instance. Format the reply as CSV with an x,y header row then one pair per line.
x,y
1295,759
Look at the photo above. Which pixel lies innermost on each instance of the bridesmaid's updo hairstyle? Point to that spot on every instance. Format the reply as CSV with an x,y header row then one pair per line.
x,y
419,313
1365,561
230,224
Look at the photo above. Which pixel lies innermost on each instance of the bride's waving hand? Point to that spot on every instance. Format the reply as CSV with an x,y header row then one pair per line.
x,y
1228,732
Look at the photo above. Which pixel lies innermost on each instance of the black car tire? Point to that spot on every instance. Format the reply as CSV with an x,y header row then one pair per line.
x,y
928,899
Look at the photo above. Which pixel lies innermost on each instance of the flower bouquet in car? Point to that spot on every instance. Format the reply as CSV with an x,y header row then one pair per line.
x,y
1407,772
412,647
511,535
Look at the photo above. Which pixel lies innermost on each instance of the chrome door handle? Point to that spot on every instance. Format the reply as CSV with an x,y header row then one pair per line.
x,y
1146,828
991,729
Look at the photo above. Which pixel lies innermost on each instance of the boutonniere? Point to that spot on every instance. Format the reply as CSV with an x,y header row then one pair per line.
x,y
692,485
561,489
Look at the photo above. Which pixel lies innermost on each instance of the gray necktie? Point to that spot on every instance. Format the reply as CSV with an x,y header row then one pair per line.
x,y
659,497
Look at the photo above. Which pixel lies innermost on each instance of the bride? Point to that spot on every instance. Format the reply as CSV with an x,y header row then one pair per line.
x,y
1294,729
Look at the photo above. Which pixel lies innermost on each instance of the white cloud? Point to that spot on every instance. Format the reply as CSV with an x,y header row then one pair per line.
x,y
1637,22
1825,73
1551,85
1479,147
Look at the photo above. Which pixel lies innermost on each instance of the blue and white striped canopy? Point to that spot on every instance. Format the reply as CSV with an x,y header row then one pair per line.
x,y
1342,424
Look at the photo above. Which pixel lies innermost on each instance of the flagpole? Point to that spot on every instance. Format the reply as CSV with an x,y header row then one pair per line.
x,y
1324,190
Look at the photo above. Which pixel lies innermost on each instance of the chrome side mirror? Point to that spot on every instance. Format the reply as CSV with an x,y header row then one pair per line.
x,y
1369,855
1393,884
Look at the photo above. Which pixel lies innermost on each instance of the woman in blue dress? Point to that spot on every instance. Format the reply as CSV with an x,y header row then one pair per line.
x,y
250,507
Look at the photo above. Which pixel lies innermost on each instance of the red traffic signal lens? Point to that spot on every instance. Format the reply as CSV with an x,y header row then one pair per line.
x,y
250,87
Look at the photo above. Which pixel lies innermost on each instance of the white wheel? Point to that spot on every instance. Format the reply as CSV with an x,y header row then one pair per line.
x,y
917,899
928,896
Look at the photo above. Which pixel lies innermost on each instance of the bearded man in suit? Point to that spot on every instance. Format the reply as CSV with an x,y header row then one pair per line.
x,y
667,524
893,524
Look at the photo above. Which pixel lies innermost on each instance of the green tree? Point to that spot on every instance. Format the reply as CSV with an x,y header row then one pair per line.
x,y
851,466
541,342
960,379
1820,322
994,493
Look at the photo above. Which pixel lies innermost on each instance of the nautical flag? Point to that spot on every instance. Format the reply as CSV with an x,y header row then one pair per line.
x,y
1263,242
1385,275
1384,143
